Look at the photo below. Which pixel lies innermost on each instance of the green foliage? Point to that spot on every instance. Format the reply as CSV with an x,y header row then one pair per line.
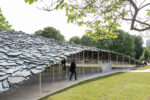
x,y
30,1
103,17
125,43
148,12
75,40
50,32
146,54
99,27
138,46
87,41
4,25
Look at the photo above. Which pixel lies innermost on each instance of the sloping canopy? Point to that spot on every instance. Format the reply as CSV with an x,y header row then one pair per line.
x,y
22,55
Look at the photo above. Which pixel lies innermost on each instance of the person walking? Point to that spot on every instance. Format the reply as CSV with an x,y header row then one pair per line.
x,y
73,70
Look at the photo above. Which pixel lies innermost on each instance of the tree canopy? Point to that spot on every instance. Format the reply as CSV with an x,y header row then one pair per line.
x,y
75,40
50,32
138,41
125,43
146,54
4,25
103,17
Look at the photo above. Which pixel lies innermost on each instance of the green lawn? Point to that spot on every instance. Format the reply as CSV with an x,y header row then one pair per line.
x,y
120,86
144,68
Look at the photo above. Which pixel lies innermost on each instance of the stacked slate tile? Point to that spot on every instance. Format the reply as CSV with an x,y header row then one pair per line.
x,y
23,55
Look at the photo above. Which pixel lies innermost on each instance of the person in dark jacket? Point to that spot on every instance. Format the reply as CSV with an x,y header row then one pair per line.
x,y
73,70
63,63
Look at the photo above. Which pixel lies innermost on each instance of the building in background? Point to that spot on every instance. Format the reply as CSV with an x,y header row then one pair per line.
x,y
148,43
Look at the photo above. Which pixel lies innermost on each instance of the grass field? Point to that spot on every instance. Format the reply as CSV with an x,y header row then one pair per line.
x,y
120,86
144,68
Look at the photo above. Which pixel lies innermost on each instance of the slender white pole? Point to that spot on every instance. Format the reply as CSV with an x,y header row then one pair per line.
x,y
108,57
76,62
59,70
76,57
92,62
66,70
102,56
117,61
83,63
40,87
102,60
53,74
123,61
110,60
98,62
79,62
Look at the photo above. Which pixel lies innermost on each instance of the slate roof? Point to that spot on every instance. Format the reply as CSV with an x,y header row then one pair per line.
x,y
22,55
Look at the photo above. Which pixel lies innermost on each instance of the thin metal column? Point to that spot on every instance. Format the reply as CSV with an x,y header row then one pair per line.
x,y
53,74
87,58
79,62
98,63
92,61
117,61
123,60
76,57
66,70
83,63
108,57
76,62
102,60
40,87
59,70
111,63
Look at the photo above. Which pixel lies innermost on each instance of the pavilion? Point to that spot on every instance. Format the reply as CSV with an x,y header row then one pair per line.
x,y
27,59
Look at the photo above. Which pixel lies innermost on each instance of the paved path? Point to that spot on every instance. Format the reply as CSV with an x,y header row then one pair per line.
x,y
146,70
31,92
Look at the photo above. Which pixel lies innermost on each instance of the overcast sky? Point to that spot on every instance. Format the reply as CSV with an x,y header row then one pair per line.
x,y
29,19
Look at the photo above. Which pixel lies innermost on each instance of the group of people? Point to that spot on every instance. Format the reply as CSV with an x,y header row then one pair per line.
x,y
72,68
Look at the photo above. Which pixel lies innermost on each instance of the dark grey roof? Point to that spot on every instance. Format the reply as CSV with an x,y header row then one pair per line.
x,y
22,55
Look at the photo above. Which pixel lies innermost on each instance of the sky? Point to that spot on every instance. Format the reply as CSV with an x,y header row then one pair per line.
x,y
28,18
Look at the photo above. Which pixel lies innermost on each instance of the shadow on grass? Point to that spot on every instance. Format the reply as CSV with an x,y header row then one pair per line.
x,y
82,83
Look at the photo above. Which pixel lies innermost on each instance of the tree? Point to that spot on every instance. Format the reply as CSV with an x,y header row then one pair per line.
x,y
103,17
75,40
50,32
146,54
123,44
87,41
138,42
4,25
